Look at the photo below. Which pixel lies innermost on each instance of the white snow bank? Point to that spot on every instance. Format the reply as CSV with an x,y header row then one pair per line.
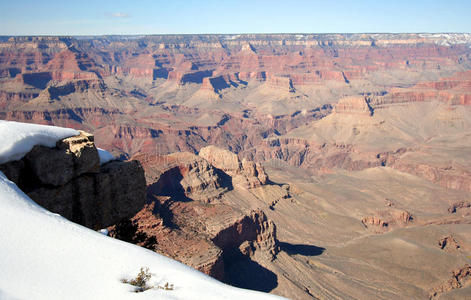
x,y
44,256
17,139
4,296
105,156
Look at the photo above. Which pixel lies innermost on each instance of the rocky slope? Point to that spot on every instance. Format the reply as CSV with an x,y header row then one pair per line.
x,y
191,220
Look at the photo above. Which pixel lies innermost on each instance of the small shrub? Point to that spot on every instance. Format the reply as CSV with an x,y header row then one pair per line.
x,y
141,280
167,287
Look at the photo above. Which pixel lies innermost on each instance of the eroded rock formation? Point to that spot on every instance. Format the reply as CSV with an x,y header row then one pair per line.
x,y
208,237
188,217
184,175
353,105
245,173
449,243
384,220
459,278
461,205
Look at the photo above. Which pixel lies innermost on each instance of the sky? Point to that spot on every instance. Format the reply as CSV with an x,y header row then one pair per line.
x,y
86,17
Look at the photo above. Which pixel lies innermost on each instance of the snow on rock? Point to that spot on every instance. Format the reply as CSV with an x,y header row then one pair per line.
x,y
105,156
19,138
104,231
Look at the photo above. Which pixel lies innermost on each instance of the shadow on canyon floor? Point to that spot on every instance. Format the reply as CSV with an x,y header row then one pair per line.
x,y
225,180
301,249
248,274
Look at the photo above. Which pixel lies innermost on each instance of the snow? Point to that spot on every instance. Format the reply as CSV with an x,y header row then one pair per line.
x,y
448,39
105,156
45,256
104,231
19,138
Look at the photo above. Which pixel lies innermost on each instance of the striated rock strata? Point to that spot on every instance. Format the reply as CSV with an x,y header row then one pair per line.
x,y
184,175
245,173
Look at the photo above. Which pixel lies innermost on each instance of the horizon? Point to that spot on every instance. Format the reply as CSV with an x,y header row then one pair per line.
x,y
240,33
88,18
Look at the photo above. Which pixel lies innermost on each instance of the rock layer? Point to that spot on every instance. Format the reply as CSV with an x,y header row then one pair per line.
x,y
245,173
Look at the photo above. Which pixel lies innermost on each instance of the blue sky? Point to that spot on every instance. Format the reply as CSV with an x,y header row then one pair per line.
x,y
85,17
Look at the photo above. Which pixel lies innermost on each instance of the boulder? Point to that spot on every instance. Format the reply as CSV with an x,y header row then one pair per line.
x,y
70,158
69,180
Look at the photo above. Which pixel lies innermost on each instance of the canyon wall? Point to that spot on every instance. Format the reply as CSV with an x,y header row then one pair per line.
x,y
355,145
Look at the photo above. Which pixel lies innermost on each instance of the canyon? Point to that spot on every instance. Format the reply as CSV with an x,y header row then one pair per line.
x,y
312,166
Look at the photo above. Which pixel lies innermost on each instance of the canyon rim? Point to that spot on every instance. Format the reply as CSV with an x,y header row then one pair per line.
x,y
302,165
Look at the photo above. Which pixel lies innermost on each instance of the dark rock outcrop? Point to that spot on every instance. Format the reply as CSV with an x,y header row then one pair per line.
x,y
69,180
71,158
